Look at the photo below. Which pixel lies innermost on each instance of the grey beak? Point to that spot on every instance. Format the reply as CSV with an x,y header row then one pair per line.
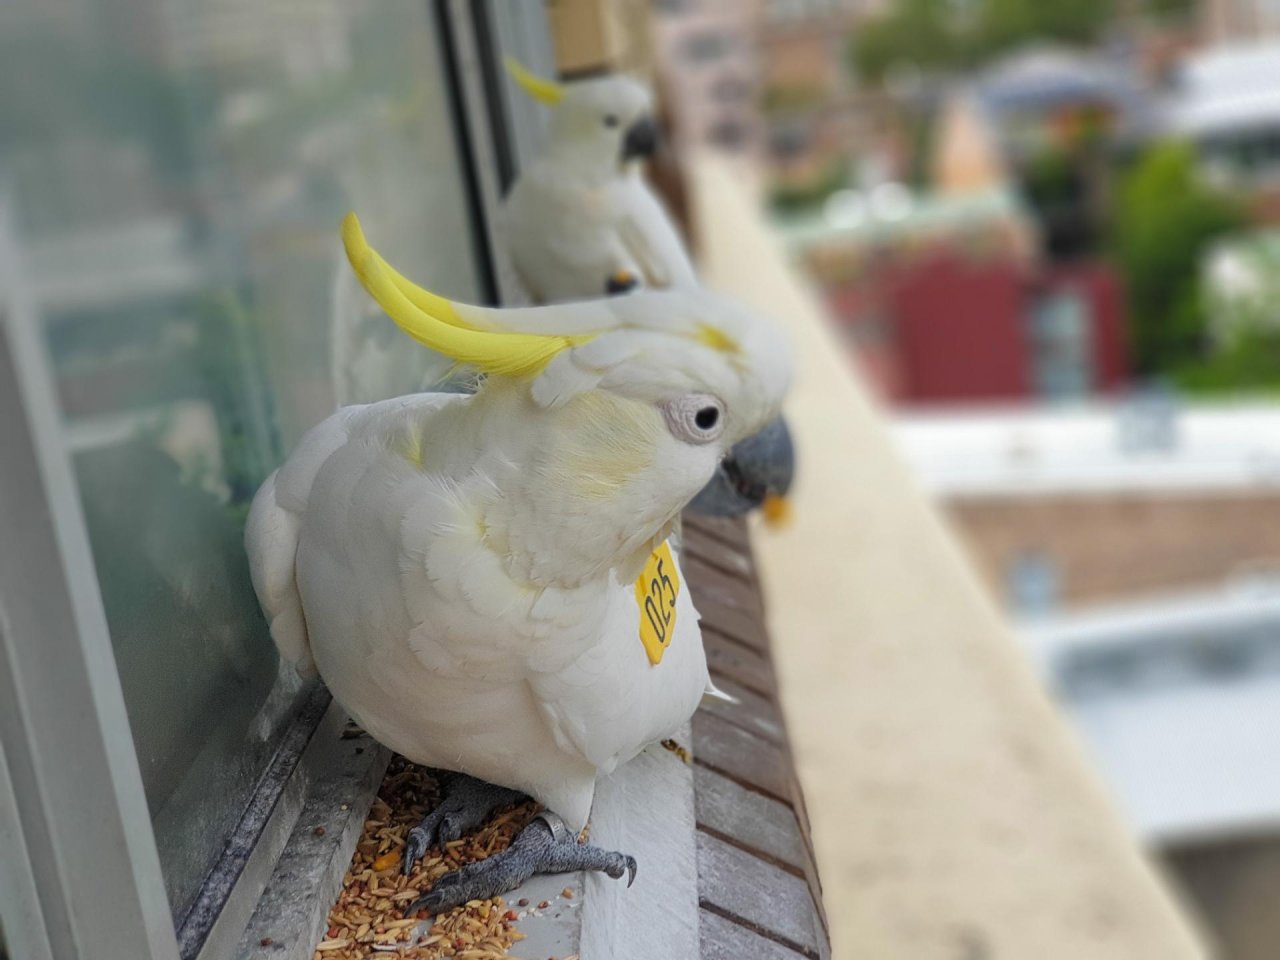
x,y
641,140
756,467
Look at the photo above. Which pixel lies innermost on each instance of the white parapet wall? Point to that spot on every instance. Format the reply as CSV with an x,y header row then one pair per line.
x,y
953,812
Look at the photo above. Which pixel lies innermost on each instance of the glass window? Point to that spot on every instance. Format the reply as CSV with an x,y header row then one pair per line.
x,y
706,46
1060,346
178,170
1033,583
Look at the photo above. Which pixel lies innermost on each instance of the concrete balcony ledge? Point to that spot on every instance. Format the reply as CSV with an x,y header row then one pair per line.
x,y
716,820
954,813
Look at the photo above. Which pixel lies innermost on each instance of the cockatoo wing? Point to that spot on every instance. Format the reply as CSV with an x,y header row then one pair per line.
x,y
566,240
271,539
612,700
423,632
649,236
273,527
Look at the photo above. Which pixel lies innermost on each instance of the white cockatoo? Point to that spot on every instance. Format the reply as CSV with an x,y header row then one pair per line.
x,y
483,580
580,221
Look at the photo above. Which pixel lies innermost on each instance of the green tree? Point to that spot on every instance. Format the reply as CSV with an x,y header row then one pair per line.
x,y
1250,362
942,35
915,32
795,198
1164,222
1001,25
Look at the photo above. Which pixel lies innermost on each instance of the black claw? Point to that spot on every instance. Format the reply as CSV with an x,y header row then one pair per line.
x,y
415,845
624,864
428,901
448,880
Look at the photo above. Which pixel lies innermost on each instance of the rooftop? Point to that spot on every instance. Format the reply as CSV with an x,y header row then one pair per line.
x,y
1226,89
1146,444
1178,700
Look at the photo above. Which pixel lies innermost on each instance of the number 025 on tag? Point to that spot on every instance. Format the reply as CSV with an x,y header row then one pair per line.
x,y
657,588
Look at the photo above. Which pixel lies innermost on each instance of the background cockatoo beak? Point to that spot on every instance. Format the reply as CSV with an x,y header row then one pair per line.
x,y
641,140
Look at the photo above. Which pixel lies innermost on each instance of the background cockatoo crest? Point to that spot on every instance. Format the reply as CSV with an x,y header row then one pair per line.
x,y
591,121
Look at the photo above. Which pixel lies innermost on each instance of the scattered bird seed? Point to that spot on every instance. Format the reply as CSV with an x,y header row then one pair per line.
x,y
368,917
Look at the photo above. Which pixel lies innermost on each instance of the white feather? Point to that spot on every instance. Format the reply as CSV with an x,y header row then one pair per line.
x,y
461,569
426,632
578,214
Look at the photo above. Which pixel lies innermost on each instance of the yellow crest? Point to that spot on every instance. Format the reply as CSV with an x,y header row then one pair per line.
x,y
437,323
544,91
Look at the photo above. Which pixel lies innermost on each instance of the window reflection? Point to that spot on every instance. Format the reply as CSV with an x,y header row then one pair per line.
x,y
178,170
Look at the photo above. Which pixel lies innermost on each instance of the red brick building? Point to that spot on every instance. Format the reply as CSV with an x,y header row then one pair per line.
x,y
951,329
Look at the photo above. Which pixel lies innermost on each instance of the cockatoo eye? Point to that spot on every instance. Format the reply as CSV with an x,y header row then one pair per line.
x,y
610,119
697,418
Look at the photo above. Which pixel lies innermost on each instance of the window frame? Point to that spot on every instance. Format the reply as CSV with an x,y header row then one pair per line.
x,y
81,877
68,754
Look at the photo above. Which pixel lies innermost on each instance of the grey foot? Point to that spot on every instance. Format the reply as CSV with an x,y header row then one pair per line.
x,y
544,846
467,804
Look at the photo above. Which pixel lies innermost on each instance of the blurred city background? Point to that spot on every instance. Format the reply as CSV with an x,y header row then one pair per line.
x,y
1045,235
1048,237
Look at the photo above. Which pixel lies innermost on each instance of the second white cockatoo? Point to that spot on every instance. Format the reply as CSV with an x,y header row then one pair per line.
x,y
581,221
484,581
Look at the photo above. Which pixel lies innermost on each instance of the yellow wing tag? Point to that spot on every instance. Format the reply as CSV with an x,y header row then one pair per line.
x,y
657,588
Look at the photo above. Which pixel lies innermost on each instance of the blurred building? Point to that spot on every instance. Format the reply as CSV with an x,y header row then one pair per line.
x,y
1107,502
966,331
1059,118
1227,21
708,56
1047,98
770,81
1178,701
1226,100
825,129
1138,545
944,298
